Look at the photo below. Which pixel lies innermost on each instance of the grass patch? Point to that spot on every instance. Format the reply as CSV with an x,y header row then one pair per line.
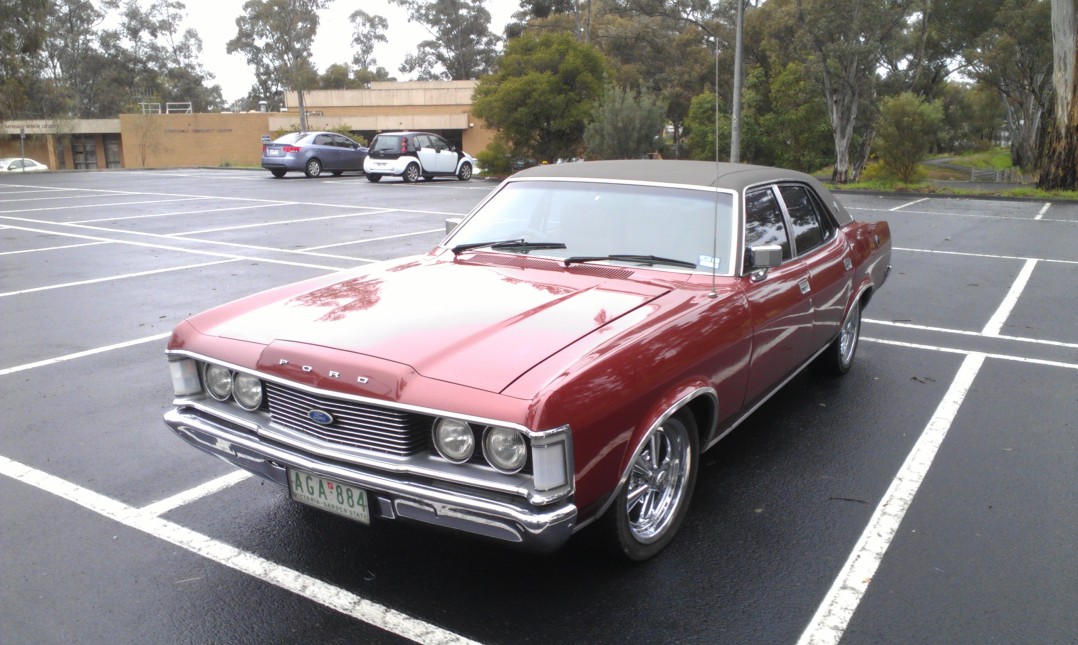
x,y
890,186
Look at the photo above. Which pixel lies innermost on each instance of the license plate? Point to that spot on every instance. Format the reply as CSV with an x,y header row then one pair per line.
x,y
274,152
329,495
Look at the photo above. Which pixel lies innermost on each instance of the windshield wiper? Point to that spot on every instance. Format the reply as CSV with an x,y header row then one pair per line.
x,y
622,257
507,244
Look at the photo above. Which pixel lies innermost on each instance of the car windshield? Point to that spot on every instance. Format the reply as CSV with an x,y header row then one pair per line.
x,y
383,143
608,221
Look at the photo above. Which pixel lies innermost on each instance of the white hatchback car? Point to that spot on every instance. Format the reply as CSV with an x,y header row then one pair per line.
x,y
412,155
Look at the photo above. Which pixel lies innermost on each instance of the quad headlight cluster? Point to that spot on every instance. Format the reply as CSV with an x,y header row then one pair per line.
x,y
220,382
505,449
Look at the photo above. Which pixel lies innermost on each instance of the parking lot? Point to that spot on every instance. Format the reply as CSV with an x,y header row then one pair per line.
x,y
928,496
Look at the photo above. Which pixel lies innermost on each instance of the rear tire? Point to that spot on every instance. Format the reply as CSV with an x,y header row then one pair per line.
x,y
278,173
411,173
313,168
838,357
650,507
374,178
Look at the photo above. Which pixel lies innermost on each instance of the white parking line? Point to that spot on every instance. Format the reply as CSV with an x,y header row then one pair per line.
x,y
955,350
64,208
984,255
833,616
281,222
110,278
898,208
964,332
315,590
52,248
1043,211
174,213
82,354
996,322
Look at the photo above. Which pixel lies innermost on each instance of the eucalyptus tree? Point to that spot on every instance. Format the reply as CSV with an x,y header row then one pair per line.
x,y
1014,57
367,32
461,45
276,36
21,40
1060,167
844,43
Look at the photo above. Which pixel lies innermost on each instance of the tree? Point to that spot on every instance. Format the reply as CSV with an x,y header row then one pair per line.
x,y
461,46
367,32
275,36
906,131
625,124
701,130
1060,167
541,94
21,40
1015,57
846,41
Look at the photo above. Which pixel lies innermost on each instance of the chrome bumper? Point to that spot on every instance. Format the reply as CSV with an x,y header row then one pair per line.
x,y
535,529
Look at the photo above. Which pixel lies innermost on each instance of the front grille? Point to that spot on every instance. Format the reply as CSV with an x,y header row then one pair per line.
x,y
356,425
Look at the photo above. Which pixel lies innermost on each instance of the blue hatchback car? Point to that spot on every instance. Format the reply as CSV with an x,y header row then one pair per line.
x,y
312,153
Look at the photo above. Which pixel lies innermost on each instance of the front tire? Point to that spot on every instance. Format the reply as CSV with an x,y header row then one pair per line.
x,y
278,173
313,168
654,501
465,172
374,178
411,173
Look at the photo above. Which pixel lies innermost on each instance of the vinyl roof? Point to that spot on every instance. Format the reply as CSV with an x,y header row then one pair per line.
x,y
731,176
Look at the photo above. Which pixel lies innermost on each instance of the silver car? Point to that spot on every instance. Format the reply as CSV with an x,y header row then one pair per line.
x,y
311,153
21,164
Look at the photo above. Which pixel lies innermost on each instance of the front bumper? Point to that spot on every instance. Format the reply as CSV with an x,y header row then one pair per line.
x,y
535,529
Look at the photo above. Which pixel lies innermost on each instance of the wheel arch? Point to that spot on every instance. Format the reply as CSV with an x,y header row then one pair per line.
x,y
698,399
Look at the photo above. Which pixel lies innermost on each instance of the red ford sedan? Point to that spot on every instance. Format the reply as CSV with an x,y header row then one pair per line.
x,y
560,360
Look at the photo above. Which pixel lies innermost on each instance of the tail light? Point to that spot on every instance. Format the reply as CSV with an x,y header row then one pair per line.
x,y
291,148
404,146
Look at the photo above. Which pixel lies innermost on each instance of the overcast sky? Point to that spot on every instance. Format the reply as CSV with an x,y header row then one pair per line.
x,y
215,22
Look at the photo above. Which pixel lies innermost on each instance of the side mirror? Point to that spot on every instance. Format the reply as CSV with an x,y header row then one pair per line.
x,y
765,257
452,223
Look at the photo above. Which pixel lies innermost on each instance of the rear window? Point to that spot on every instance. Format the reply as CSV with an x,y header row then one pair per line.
x,y
383,143
291,137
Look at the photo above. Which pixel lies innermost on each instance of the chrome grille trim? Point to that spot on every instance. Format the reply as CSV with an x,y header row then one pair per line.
x,y
356,425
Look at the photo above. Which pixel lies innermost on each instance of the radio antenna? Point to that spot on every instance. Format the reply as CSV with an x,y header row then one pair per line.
x,y
715,214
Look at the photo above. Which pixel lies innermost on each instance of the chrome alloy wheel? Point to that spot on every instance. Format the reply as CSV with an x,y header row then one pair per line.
x,y
847,338
658,481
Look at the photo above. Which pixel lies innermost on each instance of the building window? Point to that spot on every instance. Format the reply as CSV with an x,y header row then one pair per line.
x,y
84,151
112,151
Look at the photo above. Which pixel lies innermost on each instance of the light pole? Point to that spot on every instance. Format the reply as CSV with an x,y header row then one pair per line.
x,y
735,117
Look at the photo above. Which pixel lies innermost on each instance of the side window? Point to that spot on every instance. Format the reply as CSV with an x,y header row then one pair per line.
x,y
809,225
439,143
421,141
341,142
323,140
764,223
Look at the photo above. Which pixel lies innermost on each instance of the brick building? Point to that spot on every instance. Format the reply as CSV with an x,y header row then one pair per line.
x,y
155,140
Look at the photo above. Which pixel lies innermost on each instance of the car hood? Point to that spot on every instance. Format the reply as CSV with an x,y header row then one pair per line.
x,y
466,322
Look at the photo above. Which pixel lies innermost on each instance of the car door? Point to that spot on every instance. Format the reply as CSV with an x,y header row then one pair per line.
x,y
825,256
327,151
350,158
445,158
779,298
428,156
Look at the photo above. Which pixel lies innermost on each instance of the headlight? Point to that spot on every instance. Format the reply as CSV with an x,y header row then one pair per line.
x,y
218,382
247,390
505,449
454,440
